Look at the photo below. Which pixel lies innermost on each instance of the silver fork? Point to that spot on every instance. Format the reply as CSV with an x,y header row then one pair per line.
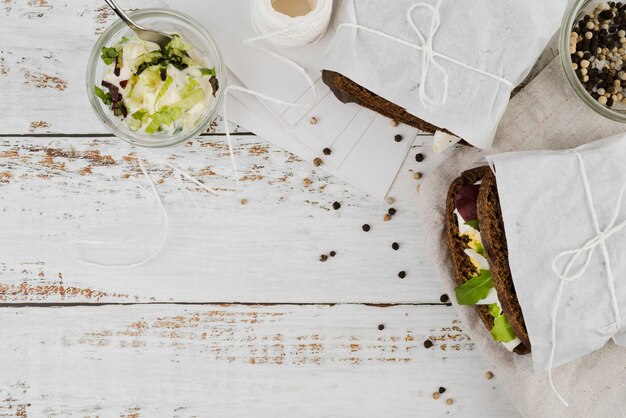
x,y
159,38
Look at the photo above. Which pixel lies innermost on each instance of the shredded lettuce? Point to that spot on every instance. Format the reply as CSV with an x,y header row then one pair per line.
x,y
192,99
494,310
166,116
166,84
475,289
207,71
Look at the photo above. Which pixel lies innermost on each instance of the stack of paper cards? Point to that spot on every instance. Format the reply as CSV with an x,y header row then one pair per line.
x,y
363,150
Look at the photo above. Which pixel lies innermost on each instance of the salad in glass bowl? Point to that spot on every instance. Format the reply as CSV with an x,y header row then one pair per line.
x,y
151,96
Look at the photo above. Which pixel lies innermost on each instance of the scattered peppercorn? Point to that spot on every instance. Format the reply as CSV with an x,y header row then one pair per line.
x,y
387,217
366,228
402,274
326,151
444,298
436,395
395,246
307,182
391,211
381,327
419,157
428,344
394,123
244,201
449,401
398,138
317,162
417,175
442,389
332,253
323,257
336,205
390,200
313,120
488,375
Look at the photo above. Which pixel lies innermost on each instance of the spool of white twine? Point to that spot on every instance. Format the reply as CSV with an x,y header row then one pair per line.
x,y
270,20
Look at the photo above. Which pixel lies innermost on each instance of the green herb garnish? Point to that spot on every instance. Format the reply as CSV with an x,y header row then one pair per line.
x,y
207,71
475,289
494,310
109,54
105,97
473,223
502,330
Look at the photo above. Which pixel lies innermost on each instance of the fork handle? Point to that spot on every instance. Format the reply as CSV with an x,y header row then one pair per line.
x,y
118,10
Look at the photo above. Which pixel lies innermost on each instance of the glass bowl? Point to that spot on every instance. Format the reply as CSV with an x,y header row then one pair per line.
x,y
575,13
168,21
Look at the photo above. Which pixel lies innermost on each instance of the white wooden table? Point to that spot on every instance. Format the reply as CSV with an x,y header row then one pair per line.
x,y
237,316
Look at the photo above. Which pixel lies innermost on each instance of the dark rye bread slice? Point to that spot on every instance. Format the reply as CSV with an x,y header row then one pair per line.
x,y
493,237
463,267
347,91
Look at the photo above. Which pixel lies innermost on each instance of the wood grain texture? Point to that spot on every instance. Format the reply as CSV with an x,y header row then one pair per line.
x,y
240,361
54,191
63,178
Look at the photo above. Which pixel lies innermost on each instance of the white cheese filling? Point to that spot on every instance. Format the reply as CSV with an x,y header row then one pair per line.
x,y
481,262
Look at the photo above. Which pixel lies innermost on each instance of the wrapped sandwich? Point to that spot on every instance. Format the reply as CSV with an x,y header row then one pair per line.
x,y
537,240
414,61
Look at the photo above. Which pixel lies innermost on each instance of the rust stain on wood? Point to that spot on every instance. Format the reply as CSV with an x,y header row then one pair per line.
x,y
207,171
44,81
40,124
251,177
48,161
452,338
132,412
94,157
103,13
39,3
236,336
43,291
258,150
5,177
9,154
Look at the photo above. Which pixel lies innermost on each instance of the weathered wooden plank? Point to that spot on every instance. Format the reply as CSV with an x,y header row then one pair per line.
x,y
54,191
276,361
44,49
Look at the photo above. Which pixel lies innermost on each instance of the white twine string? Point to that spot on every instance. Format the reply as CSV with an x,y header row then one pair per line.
x,y
429,55
302,25
286,31
323,6
588,248
158,249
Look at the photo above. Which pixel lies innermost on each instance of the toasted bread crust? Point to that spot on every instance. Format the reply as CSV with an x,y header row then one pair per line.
x,y
463,267
494,242
347,91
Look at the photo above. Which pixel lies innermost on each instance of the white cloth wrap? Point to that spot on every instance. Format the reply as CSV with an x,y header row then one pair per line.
x,y
546,212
